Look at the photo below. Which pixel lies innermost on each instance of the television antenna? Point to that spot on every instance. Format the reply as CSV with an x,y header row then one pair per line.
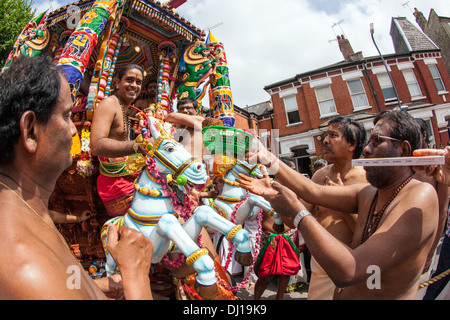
x,y
406,4
338,24
214,26
50,4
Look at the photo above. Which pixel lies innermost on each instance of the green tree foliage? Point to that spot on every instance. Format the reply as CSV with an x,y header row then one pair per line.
x,y
14,16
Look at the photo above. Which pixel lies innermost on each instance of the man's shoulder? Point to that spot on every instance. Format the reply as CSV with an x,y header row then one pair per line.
x,y
26,247
109,104
418,195
18,237
320,175
423,189
106,111
358,175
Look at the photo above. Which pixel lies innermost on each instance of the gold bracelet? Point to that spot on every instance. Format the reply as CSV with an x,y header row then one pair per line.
x,y
194,256
233,231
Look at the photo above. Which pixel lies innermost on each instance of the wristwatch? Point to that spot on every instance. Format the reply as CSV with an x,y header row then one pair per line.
x,y
299,217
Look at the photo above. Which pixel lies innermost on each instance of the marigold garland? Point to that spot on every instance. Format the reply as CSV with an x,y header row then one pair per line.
x,y
85,167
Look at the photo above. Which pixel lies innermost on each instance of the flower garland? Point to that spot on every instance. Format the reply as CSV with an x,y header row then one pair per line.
x,y
85,167
231,247
185,209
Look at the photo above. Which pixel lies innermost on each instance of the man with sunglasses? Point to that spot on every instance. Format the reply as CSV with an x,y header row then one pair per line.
x,y
342,141
397,216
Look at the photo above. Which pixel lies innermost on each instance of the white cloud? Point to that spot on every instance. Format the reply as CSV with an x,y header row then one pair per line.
x,y
43,5
268,41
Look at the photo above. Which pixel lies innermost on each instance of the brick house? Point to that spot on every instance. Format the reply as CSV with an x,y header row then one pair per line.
x,y
438,29
301,106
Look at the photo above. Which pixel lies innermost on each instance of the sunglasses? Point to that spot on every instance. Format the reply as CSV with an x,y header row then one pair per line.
x,y
377,139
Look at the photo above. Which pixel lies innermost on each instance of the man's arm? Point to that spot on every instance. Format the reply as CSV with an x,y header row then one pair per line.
x,y
59,217
101,143
441,172
403,232
339,198
133,254
185,120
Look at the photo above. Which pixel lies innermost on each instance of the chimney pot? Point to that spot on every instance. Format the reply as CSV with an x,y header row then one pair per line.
x,y
345,47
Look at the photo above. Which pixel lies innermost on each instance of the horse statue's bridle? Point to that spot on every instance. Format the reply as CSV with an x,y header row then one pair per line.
x,y
177,171
249,169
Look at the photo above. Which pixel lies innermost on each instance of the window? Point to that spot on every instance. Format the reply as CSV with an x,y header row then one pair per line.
x,y
292,114
386,86
431,139
358,94
437,77
326,101
411,81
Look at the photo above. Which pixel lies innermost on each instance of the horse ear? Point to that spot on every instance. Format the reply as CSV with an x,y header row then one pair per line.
x,y
154,129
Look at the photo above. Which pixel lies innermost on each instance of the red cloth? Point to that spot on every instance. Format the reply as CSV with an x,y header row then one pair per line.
x,y
279,257
110,188
116,193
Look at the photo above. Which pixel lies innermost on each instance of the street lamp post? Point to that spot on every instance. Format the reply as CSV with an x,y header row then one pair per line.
x,y
372,31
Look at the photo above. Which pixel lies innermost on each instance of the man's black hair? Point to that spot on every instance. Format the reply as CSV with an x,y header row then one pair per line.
x,y
28,84
354,133
127,68
404,127
423,128
187,100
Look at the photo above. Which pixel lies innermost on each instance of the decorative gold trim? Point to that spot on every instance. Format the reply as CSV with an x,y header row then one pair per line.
x,y
145,220
220,211
193,257
156,146
233,232
230,200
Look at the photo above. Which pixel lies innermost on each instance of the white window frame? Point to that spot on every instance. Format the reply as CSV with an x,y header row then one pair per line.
x,y
358,94
412,82
437,78
285,99
331,113
391,86
431,138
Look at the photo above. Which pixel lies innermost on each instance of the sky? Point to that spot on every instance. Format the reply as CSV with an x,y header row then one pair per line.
x,y
268,41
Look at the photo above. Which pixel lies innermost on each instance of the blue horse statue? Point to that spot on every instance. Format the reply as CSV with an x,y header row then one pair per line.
x,y
170,173
251,204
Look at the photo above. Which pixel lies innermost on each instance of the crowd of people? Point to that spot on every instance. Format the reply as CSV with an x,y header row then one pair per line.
x,y
372,232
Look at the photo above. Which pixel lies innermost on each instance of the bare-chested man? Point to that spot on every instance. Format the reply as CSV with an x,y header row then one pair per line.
x,y
189,126
150,97
110,141
397,217
439,290
35,260
443,194
343,141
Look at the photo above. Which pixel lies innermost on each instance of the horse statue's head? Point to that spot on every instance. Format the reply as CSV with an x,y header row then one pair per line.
x,y
174,162
249,170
